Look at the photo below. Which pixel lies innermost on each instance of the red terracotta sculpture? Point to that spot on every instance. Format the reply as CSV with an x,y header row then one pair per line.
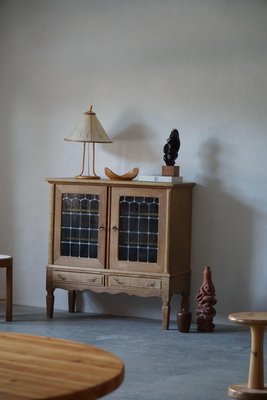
x,y
206,300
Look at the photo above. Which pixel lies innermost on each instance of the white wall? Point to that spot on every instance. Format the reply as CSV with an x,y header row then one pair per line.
x,y
147,67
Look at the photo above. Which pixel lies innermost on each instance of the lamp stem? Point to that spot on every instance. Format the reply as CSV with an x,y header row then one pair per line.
x,y
88,176
84,144
88,161
93,158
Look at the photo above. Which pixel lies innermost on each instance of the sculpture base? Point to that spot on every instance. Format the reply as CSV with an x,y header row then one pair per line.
x,y
169,170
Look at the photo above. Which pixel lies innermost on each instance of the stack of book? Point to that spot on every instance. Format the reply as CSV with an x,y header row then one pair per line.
x,y
160,178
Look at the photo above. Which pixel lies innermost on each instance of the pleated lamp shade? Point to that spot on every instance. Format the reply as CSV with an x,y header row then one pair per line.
x,y
89,130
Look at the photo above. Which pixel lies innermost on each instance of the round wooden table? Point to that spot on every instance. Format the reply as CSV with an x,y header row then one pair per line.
x,y
255,388
36,367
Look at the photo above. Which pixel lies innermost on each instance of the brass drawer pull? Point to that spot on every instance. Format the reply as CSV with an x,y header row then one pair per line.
x,y
91,280
151,284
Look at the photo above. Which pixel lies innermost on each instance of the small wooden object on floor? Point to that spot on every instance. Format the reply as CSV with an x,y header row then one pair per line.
x,y
255,388
184,319
206,300
7,262
36,367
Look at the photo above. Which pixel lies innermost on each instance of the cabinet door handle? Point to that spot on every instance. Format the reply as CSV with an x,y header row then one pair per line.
x,y
101,228
115,228
151,284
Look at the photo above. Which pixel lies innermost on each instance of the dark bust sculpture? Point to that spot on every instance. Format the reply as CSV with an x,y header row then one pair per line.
x,y
171,148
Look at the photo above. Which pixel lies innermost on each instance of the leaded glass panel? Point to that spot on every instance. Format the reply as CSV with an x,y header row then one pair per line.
x,y
79,225
138,229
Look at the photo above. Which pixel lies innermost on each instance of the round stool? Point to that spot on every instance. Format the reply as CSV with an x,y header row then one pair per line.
x,y
255,388
7,262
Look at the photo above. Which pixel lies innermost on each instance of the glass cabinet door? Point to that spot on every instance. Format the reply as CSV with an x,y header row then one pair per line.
x,y
80,225
138,229
138,225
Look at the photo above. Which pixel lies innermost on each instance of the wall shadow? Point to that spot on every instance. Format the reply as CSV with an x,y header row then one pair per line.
x,y
222,235
132,141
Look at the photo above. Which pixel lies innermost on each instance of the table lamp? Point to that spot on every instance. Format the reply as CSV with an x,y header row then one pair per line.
x,y
89,131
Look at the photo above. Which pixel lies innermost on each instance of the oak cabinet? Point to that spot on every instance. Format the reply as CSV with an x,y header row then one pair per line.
x,y
119,237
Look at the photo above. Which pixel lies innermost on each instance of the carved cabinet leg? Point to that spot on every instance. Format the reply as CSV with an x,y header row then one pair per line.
x,y
166,298
50,304
165,314
72,300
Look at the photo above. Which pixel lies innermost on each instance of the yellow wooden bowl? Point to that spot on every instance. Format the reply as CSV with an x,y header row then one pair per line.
x,y
125,177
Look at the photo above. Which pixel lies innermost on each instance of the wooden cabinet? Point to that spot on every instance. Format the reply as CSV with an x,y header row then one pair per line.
x,y
120,237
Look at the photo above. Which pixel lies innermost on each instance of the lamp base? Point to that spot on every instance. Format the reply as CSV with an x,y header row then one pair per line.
x,y
87,177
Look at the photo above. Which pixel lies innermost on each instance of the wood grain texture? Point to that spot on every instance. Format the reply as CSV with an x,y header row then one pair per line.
x,y
168,275
35,367
125,177
255,388
249,318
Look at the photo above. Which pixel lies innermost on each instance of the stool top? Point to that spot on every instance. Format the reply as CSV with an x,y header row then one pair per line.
x,y
249,318
4,257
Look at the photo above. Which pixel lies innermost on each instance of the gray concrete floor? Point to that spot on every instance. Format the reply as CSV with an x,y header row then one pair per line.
x,y
159,364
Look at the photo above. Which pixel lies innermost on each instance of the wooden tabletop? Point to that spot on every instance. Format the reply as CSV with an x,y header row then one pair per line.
x,y
249,318
36,367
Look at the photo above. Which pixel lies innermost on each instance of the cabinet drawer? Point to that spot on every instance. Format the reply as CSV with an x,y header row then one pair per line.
x,y
79,278
132,282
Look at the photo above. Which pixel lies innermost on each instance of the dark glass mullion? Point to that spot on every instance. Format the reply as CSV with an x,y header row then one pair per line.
x,y
90,233
126,213
149,226
69,246
79,225
123,245
128,231
89,227
138,233
138,240
153,254
75,222
70,239
94,223
148,230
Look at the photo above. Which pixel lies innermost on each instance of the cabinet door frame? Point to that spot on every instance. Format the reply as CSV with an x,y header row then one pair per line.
x,y
58,259
161,265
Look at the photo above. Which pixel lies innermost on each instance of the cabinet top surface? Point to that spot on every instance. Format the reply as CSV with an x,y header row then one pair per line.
x,y
111,182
